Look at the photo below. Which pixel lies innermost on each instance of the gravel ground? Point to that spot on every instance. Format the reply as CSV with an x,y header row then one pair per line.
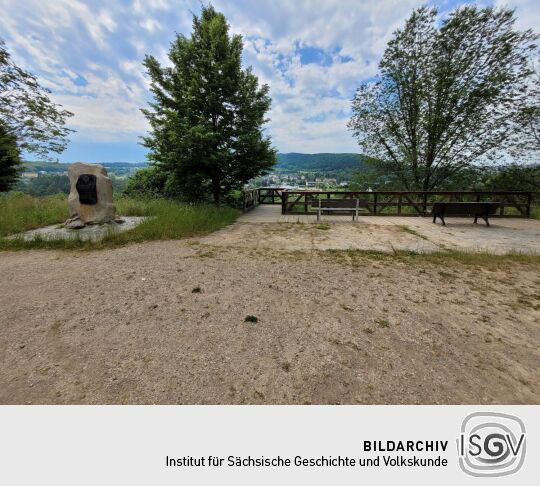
x,y
164,322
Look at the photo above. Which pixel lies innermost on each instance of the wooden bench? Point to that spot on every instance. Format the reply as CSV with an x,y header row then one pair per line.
x,y
343,205
473,209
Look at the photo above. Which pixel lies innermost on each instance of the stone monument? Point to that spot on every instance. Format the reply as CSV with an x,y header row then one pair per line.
x,y
90,199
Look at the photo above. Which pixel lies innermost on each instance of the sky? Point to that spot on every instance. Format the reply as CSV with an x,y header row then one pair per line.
x,y
313,55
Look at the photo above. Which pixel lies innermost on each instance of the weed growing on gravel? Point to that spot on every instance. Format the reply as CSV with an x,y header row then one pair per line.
x,y
196,290
409,230
251,318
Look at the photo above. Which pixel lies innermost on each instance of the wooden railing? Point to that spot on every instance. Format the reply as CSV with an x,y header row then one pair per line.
x,y
270,195
250,199
416,203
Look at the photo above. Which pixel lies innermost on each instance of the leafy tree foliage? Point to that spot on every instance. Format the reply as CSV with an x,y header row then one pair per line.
x,y
10,161
49,184
446,96
527,134
148,182
514,177
208,114
26,111
44,185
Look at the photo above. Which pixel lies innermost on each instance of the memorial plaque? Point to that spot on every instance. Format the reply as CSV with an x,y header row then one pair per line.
x,y
86,187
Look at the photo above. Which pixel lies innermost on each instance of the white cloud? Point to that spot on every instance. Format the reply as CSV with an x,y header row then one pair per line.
x,y
151,25
311,101
106,21
145,6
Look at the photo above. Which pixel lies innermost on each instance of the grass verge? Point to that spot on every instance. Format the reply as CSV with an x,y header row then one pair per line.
x,y
165,220
443,257
21,212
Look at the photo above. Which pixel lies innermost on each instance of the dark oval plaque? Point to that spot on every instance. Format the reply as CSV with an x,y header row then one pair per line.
x,y
86,187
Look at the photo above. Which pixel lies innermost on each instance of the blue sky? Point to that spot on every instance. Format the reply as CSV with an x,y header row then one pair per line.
x,y
313,54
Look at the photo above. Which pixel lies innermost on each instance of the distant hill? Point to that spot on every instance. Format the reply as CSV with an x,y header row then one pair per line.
x,y
325,163
295,162
119,168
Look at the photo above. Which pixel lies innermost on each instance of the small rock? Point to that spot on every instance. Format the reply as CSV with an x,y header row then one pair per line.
x,y
74,223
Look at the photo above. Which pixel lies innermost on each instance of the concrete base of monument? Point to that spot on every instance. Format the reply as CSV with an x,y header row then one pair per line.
x,y
92,232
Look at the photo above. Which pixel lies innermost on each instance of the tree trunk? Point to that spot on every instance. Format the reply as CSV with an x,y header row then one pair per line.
x,y
216,189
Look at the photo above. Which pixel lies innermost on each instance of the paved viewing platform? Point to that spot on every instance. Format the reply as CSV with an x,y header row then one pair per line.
x,y
265,226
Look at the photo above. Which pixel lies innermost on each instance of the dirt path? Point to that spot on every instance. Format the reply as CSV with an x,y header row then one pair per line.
x,y
124,326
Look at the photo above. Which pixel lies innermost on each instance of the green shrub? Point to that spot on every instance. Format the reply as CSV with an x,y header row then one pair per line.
x,y
147,182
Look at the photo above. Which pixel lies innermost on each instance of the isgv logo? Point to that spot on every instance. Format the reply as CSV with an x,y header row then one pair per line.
x,y
491,444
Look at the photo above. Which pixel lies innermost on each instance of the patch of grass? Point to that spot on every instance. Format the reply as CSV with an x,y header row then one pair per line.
x,y
166,220
21,212
409,230
443,257
206,254
251,318
382,323
323,227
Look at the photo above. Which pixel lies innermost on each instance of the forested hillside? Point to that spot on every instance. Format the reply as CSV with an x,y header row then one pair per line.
x,y
324,162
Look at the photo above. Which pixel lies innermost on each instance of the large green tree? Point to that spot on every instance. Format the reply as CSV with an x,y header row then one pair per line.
x,y
28,118
208,113
10,160
448,95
